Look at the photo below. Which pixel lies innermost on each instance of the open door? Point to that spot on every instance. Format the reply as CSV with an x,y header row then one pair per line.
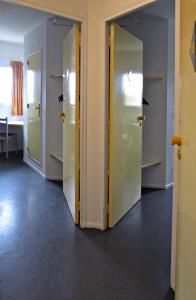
x,y
125,122
71,115
186,208
34,105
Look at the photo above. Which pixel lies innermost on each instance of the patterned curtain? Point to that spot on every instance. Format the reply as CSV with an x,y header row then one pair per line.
x,y
17,88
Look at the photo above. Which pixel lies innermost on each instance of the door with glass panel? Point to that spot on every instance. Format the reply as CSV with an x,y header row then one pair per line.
x,y
125,122
34,105
71,115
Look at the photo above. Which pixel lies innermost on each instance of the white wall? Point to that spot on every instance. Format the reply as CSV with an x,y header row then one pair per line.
x,y
54,88
11,51
33,42
166,9
158,127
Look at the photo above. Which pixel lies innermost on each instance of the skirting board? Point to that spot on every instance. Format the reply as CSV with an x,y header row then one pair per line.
x,y
158,186
92,226
34,168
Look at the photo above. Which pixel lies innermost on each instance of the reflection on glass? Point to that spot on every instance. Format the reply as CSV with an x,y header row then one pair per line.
x,y
132,86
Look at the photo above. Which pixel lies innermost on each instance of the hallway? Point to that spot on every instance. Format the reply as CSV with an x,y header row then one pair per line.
x,y
43,256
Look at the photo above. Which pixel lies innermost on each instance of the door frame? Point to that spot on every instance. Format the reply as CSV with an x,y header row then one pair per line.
x,y
107,20
83,98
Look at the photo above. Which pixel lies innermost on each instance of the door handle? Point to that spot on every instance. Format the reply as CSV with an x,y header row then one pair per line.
x,y
141,119
62,115
38,108
177,140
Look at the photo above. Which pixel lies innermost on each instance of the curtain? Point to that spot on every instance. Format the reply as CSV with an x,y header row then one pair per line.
x,y
17,88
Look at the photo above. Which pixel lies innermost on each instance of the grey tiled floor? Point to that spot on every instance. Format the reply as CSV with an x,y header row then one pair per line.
x,y
43,256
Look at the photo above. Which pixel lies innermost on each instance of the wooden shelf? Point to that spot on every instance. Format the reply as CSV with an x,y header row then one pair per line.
x,y
149,164
153,78
57,157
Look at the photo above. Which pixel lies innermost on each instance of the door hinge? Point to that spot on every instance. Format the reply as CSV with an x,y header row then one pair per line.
x,y
28,105
110,37
79,36
179,153
109,40
107,208
28,149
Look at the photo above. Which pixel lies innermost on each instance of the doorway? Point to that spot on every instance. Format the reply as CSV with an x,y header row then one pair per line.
x,y
154,27
50,54
154,35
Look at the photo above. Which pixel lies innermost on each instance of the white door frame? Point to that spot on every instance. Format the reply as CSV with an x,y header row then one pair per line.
x,y
83,104
124,12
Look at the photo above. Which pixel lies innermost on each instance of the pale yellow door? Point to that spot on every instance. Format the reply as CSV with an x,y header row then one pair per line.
x,y
125,130
186,209
34,105
71,108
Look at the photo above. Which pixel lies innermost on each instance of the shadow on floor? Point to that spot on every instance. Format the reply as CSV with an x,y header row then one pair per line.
x,y
12,157
149,190
169,295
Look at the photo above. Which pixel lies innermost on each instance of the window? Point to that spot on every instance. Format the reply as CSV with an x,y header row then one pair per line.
x,y
6,85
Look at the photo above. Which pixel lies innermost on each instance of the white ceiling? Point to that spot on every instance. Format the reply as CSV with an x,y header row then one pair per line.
x,y
16,21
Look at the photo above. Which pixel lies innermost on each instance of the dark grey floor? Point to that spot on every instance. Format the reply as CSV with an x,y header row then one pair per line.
x,y
43,256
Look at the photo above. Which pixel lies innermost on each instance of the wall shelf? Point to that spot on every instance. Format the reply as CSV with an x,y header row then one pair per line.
x,y
58,157
149,164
